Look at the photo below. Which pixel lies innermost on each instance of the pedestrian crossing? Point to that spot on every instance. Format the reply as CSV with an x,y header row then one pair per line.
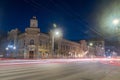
x,y
70,71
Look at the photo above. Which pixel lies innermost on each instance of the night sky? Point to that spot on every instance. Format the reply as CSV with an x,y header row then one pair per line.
x,y
79,19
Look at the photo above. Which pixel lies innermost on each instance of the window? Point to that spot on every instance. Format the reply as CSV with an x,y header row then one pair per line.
x,y
55,45
32,42
40,43
63,47
47,44
24,42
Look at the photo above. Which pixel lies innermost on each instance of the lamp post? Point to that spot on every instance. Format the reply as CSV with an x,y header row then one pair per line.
x,y
91,44
10,47
55,33
90,49
116,26
115,22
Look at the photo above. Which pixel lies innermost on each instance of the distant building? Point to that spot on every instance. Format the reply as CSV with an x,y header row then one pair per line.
x,y
96,48
3,44
35,44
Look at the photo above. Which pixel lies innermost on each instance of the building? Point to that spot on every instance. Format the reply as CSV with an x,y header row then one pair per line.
x,y
96,48
35,44
3,42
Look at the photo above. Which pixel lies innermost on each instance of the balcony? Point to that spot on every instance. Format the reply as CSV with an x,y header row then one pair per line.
x,y
31,47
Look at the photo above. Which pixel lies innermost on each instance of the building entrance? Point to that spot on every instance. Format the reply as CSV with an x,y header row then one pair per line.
x,y
31,54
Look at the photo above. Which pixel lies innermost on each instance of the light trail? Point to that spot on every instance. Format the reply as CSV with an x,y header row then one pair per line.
x,y
45,61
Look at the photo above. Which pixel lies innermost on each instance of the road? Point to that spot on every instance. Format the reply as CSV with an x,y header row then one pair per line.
x,y
88,70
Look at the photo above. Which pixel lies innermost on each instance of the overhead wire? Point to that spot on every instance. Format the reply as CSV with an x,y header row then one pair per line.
x,y
68,11
81,20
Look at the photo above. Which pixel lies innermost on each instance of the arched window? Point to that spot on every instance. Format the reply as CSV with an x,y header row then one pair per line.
x,y
32,42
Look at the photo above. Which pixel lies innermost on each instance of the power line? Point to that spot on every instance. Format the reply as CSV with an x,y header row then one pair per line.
x,y
67,11
80,20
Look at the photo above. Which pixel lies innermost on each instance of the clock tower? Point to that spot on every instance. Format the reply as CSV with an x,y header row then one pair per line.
x,y
33,22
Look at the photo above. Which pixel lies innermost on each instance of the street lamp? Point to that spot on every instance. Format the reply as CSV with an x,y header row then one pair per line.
x,y
91,44
10,47
55,34
116,22
14,47
90,49
6,48
54,25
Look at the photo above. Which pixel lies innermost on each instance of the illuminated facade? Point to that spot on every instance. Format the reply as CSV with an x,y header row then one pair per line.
x,y
96,48
35,44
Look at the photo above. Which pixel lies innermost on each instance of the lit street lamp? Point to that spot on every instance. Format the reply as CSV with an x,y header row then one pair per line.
x,y
55,33
10,47
54,25
14,47
90,49
91,44
116,22
6,48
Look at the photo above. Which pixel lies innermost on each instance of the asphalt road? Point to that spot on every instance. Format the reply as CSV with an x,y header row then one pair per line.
x,y
61,71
